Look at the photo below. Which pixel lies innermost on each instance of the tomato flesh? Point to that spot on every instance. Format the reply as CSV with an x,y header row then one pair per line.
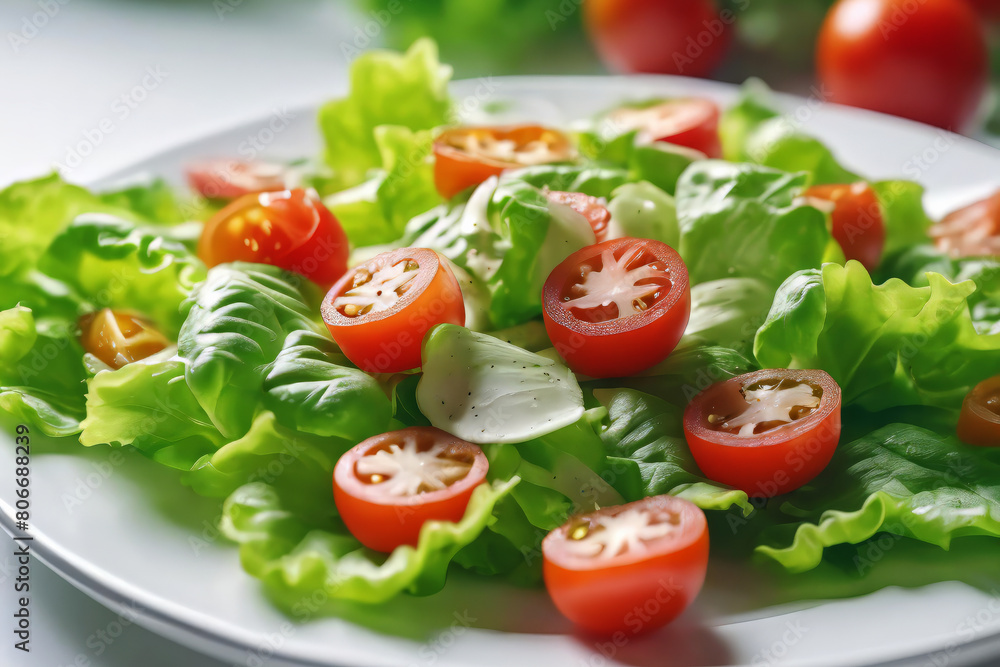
x,y
118,338
971,231
466,156
856,218
617,307
380,311
767,432
979,421
291,229
229,179
387,487
925,60
632,567
689,122
592,208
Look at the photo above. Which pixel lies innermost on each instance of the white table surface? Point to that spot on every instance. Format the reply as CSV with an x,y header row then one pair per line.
x,y
215,71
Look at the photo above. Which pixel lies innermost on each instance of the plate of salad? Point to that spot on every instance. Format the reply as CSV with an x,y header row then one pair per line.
x,y
551,370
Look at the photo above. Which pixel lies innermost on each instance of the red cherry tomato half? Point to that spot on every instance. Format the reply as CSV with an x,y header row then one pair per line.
x,y
390,485
117,337
291,229
971,231
632,567
979,422
690,122
467,156
767,432
688,37
923,60
380,311
229,179
618,307
857,220
591,208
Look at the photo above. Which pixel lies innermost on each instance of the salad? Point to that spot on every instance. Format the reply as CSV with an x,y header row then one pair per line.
x,y
560,357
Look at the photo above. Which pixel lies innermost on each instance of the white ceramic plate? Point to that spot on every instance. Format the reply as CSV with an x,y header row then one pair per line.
x,y
125,532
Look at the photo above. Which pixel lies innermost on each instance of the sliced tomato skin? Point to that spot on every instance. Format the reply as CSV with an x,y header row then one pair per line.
x,y
691,122
389,341
456,170
229,179
99,339
620,347
589,207
382,523
857,220
978,424
702,135
316,245
774,462
629,595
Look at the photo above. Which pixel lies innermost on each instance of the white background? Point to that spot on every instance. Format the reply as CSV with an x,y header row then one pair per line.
x,y
219,68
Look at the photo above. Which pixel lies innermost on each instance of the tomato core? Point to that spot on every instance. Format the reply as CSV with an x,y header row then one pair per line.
x,y
609,287
387,487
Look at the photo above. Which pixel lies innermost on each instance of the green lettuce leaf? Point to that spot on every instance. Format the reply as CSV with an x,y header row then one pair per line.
x,y
900,479
298,463
752,131
509,237
377,210
311,387
562,473
646,433
902,207
740,220
41,376
778,144
912,265
642,210
387,88
727,313
297,558
484,390
154,201
148,405
590,179
740,120
110,262
235,325
684,374
54,306
541,234
33,212
660,163
886,345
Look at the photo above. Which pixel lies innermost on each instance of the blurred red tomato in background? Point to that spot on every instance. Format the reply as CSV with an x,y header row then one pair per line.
x,y
989,9
920,59
687,37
